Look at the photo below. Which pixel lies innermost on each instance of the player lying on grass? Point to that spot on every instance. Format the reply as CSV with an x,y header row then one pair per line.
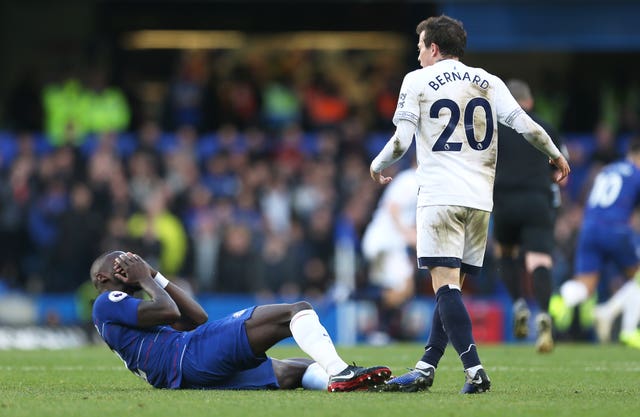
x,y
167,340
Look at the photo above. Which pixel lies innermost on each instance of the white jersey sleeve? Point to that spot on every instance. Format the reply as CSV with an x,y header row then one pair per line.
x,y
396,147
408,107
406,118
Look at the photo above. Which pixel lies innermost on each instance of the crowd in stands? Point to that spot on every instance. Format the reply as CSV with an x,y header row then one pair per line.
x,y
242,182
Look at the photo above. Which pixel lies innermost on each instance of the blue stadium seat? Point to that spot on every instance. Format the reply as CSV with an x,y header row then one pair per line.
x,y
89,146
207,146
309,143
375,142
126,144
168,143
42,144
8,148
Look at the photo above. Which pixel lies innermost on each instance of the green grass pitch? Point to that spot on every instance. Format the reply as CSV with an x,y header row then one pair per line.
x,y
575,380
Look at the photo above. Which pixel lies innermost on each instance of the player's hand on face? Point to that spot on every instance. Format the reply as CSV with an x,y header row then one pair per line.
x,y
563,168
130,268
379,178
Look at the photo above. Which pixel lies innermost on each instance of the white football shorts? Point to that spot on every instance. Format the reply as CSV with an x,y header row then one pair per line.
x,y
391,269
452,236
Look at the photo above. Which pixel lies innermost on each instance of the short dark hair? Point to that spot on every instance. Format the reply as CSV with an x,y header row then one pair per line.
x,y
446,32
99,264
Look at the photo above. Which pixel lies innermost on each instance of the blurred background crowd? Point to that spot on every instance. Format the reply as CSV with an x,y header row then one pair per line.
x,y
243,169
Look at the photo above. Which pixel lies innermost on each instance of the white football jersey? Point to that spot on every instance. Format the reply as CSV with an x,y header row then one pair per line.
x,y
456,109
382,233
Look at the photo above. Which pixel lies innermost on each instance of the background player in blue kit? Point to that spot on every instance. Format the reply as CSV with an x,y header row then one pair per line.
x,y
167,341
606,235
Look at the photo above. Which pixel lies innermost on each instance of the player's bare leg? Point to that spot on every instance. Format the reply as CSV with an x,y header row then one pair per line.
x,y
269,324
289,372
272,323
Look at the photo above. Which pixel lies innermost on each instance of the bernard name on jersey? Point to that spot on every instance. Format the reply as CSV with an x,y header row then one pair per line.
x,y
446,77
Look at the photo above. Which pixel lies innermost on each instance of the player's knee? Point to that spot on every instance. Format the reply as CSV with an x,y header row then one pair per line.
x,y
300,306
535,260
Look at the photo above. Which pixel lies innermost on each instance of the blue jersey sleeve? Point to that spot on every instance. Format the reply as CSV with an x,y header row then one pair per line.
x,y
117,307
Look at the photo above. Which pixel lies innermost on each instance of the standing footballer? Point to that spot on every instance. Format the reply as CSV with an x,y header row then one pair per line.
x,y
453,110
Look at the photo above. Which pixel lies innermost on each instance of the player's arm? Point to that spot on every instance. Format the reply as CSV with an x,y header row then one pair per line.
x,y
169,304
160,309
191,312
511,114
565,152
538,137
393,150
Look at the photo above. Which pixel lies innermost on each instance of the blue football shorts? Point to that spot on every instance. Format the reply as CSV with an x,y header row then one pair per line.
x,y
218,356
598,244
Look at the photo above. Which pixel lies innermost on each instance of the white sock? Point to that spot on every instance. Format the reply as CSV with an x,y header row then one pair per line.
x,y
617,301
573,293
315,378
473,370
314,340
423,365
631,307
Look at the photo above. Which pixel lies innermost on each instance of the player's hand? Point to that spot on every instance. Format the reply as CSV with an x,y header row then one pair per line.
x,y
130,268
379,178
563,168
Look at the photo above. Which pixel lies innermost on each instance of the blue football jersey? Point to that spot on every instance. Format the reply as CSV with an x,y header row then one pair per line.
x,y
152,353
614,195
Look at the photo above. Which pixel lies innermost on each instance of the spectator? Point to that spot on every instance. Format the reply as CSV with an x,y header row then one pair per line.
x,y
275,204
324,104
218,176
16,192
144,177
279,268
182,175
189,101
44,228
320,243
24,106
149,140
288,152
240,98
63,112
105,106
281,105
203,227
75,247
157,224
73,110
239,266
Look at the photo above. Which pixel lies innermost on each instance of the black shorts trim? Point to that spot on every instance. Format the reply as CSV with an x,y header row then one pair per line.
x,y
450,262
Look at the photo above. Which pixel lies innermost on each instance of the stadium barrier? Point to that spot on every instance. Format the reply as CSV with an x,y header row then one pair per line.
x,y
54,321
